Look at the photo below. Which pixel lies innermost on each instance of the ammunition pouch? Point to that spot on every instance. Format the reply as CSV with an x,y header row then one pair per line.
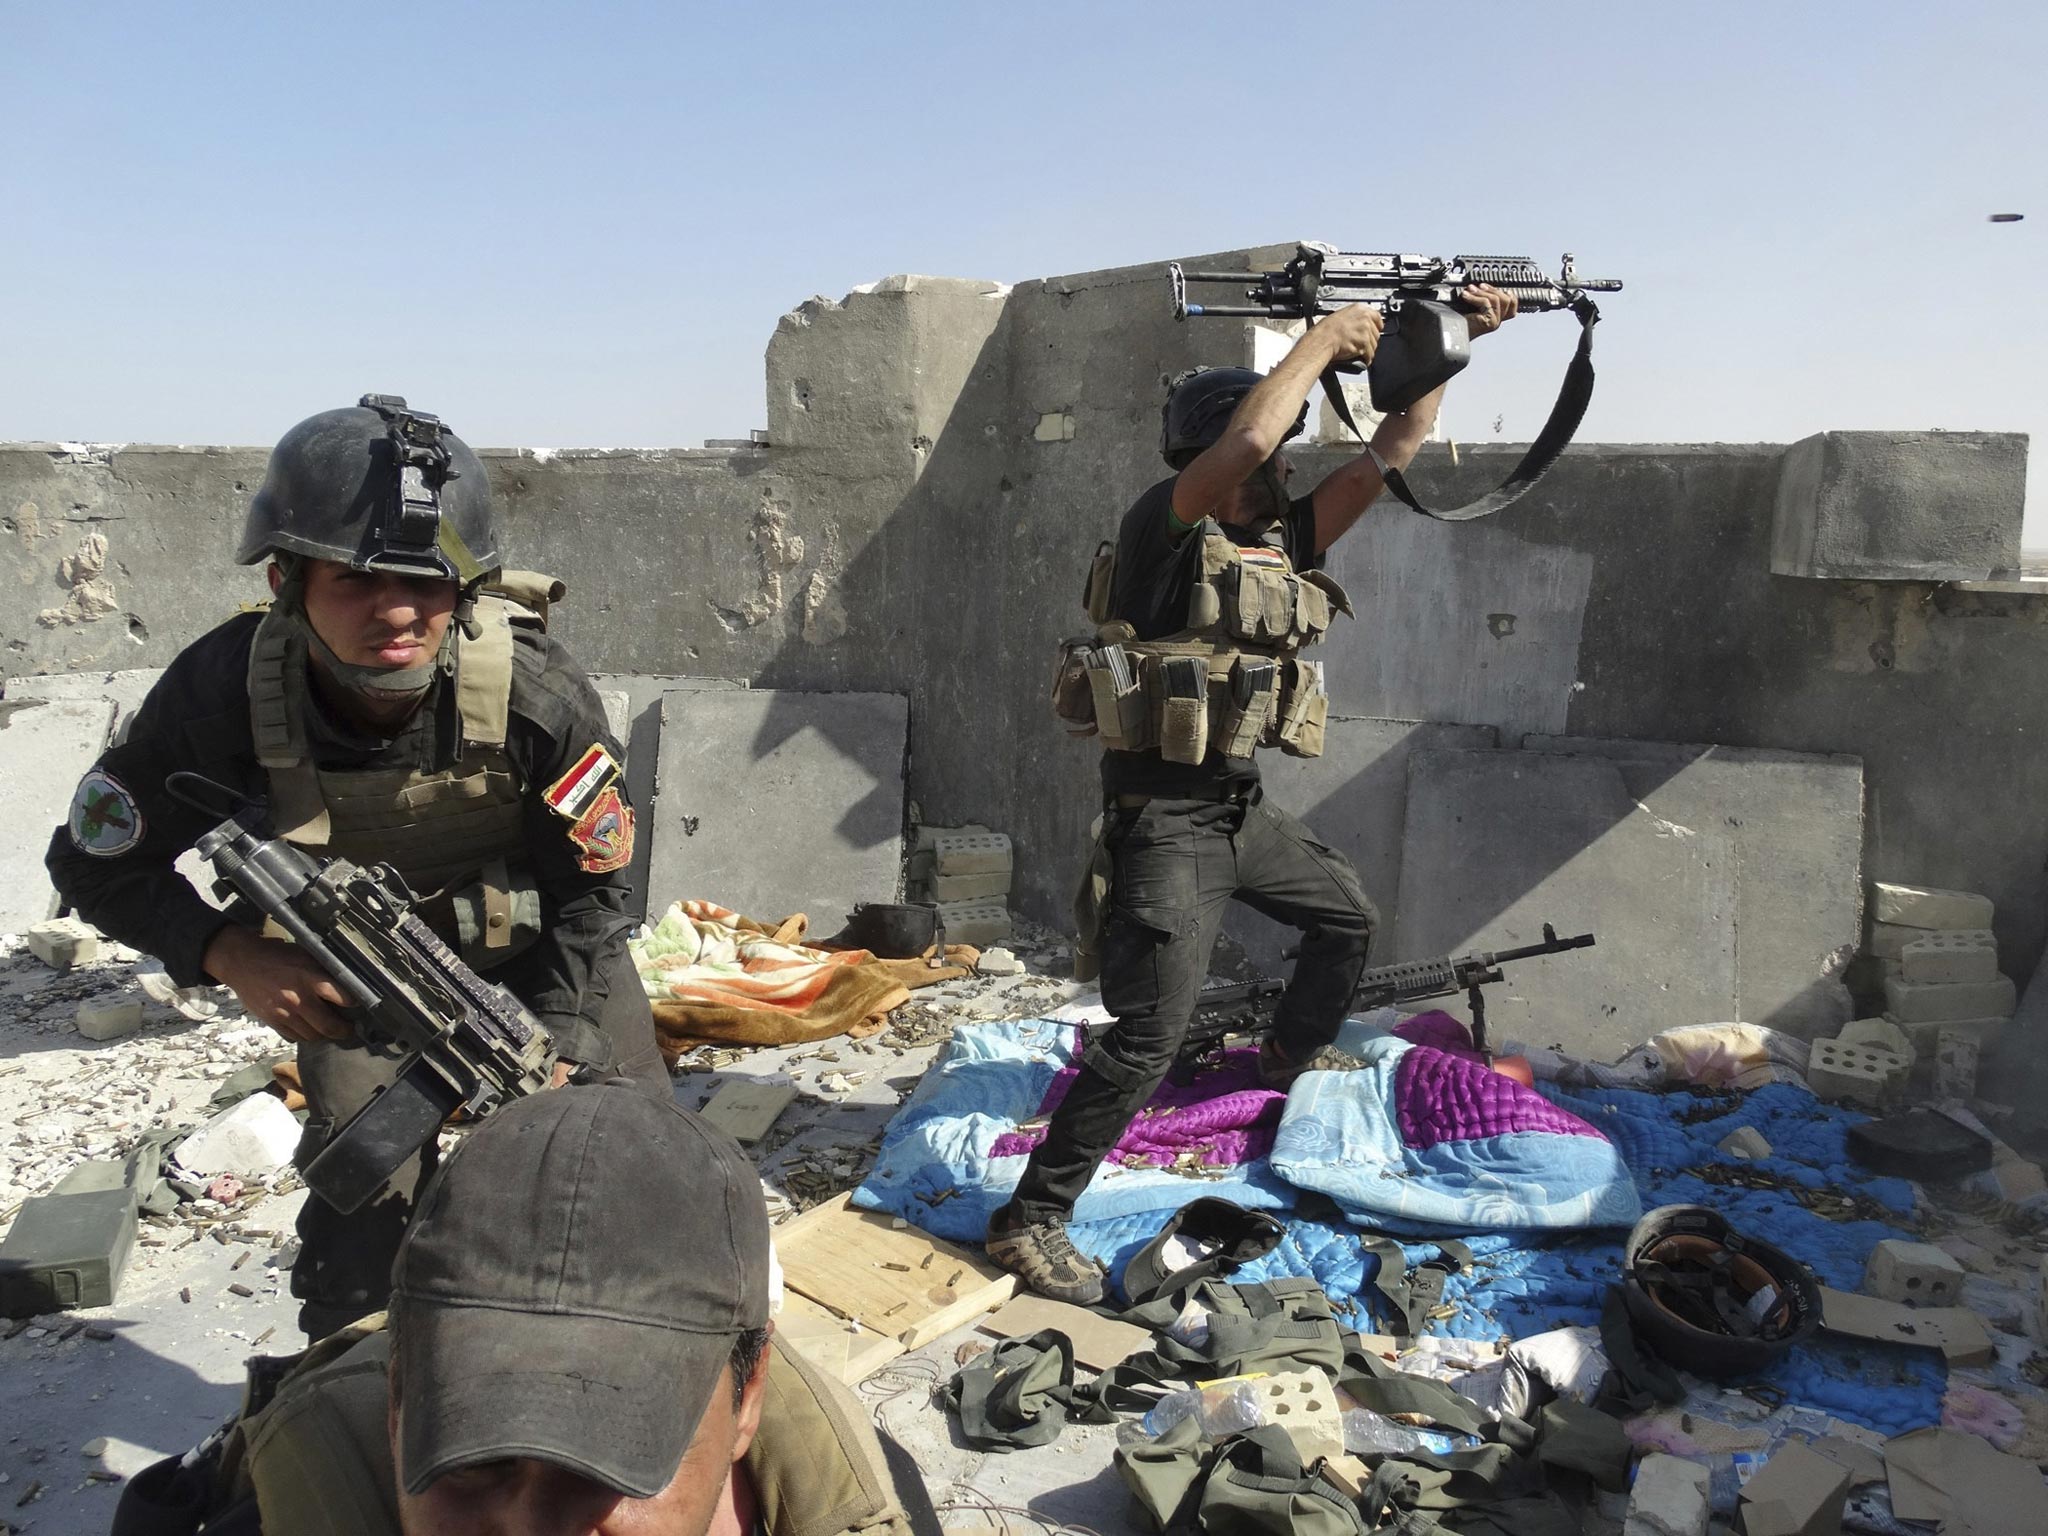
x,y
1230,682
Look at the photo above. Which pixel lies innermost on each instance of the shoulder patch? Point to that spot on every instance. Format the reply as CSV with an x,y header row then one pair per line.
x,y
603,835
105,820
576,791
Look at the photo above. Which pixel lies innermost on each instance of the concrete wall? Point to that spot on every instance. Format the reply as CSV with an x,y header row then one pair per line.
x,y
943,456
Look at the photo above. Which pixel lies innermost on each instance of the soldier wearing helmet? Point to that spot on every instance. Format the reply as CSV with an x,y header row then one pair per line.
x,y
1204,602
399,702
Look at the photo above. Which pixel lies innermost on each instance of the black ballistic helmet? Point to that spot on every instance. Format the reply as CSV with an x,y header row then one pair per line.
x,y
379,487
1199,405
1711,1300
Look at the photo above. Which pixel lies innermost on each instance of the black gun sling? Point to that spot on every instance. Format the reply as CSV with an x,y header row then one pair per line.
x,y
1573,396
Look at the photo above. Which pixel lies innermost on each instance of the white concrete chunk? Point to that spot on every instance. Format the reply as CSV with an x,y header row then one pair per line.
x,y
1746,1142
1919,906
1669,1498
1926,1033
1946,957
1956,1057
1917,1272
254,1136
1914,1002
1882,1033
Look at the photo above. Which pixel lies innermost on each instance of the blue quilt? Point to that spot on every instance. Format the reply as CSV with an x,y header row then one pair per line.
x,y
936,1170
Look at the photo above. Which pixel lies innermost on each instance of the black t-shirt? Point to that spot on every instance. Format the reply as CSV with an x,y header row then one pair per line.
x,y
1157,558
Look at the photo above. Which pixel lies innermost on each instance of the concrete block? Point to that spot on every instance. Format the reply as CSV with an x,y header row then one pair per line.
x,y
66,1251
951,888
1304,1403
1925,1034
1882,1033
1793,823
774,802
1799,1492
970,853
1499,843
1915,1002
1900,506
926,836
1670,1497
975,922
618,718
1355,797
109,1018
1956,1055
1916,1272
251,1137
62,942
124,689
1858,1074
1945,958
1746,1142
1921,906
46,745
1888,941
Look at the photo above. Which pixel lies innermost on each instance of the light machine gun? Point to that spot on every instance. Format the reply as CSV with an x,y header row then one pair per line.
x,y
1425,342
1223,1008
468,1044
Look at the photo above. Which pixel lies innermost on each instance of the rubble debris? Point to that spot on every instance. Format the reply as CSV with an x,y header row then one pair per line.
x,y
746,1109
255,1136
1746,1142
1959,1482
1914,1272
1880,1033
64,942
1798,1492
1955,1331
1956,1057
1858,1074
998,962
1669,1498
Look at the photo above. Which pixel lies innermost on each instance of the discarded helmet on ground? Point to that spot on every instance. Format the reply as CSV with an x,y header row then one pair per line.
x,y
1199,405
379,487
1711,1300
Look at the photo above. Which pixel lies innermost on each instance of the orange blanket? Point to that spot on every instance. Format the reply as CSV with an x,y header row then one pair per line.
x,y
713,975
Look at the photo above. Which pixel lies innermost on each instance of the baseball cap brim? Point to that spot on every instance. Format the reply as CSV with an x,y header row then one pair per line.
x,y
615,1401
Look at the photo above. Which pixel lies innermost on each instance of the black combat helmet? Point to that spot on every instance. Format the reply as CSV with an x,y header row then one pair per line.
x,y
379,487
1199,406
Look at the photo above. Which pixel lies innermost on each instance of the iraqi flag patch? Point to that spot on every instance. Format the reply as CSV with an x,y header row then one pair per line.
x,y
105,820
603,835
576,791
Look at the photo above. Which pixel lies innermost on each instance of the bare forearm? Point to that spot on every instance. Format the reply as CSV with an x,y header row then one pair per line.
x,y
1401,436
1265,416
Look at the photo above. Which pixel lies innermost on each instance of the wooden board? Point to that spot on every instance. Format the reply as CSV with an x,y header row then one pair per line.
x,y
1099,1342
745,1108
1955,1331
845,1351
842,1258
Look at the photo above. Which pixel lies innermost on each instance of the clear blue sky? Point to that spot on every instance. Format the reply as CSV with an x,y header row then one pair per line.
x,y
576,223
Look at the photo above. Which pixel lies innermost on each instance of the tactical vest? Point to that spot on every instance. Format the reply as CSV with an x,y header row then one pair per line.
x,y
1230,680
457,835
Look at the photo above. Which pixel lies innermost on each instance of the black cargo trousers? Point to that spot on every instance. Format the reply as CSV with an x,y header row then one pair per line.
x,y
1176,863
343,1270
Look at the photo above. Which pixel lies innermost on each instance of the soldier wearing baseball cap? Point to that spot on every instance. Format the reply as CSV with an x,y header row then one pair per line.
x,y
579,1341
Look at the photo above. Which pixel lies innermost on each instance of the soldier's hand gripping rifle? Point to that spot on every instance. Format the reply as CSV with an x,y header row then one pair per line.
x,y
468,1044
1413,980
1425,342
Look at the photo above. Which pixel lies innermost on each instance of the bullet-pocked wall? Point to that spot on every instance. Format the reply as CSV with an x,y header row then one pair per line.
x,y
942,458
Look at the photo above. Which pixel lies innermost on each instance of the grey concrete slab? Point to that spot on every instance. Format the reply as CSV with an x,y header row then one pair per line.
x,y
1355,798
45,747
1901,506
637,724
1795,827
124,689
1498,843
772,802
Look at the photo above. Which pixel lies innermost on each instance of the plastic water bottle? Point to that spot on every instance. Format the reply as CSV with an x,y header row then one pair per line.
x,y
1369,1433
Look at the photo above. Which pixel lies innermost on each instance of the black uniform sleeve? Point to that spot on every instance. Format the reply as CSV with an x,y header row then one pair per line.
x,y
1155,564
579,860
1301,535
122,879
